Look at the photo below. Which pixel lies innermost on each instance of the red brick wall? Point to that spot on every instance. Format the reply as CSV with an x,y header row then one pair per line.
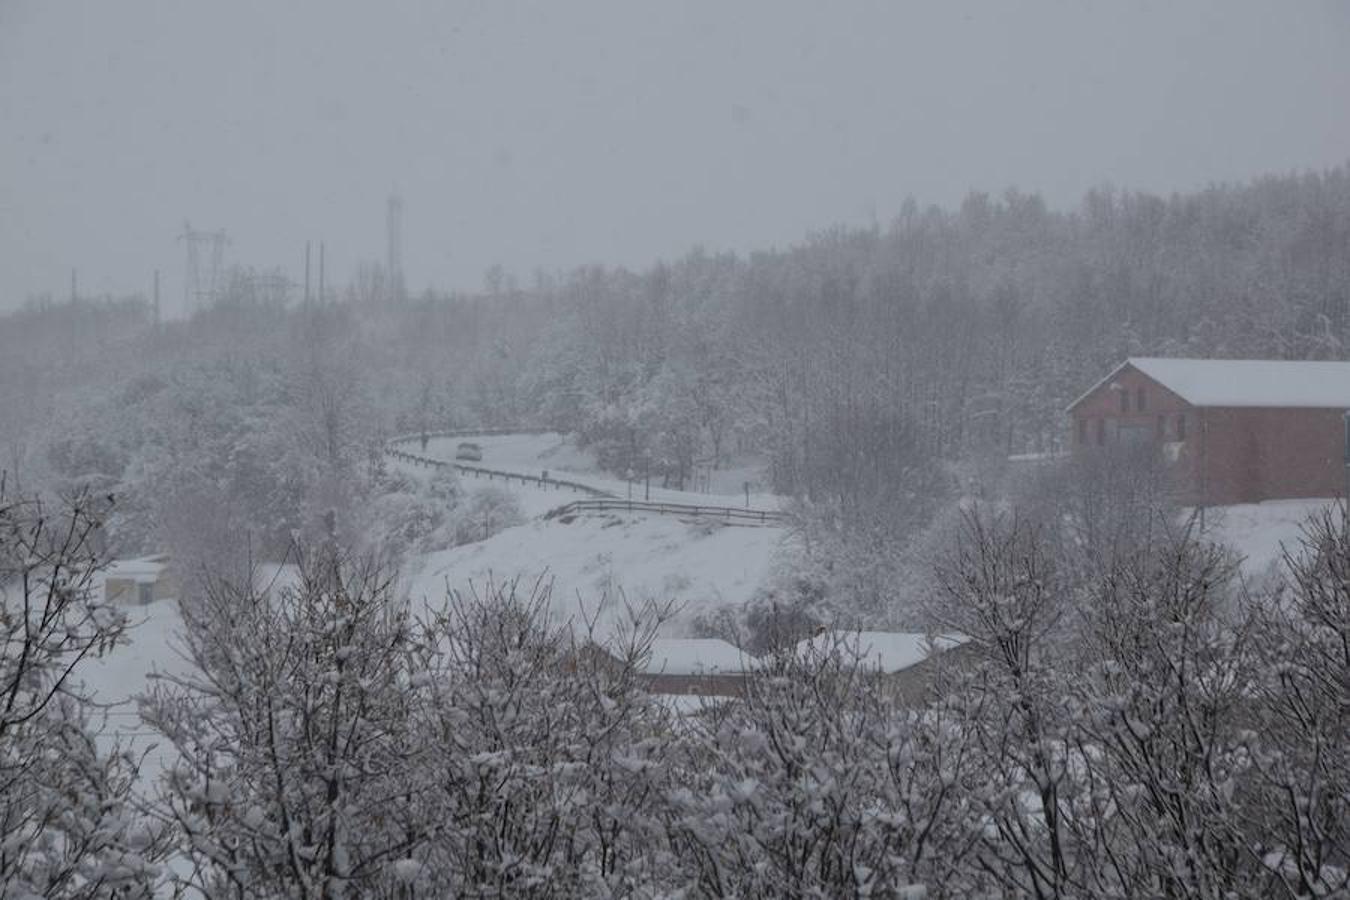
x,y
1258,454
1103,406
1230,454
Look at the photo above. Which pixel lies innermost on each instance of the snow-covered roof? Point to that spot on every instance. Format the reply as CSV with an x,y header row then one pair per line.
x,y
695,656
1244,382
145,569
886,651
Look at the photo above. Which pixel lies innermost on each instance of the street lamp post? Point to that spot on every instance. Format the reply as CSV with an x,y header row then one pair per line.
x,y
1345,453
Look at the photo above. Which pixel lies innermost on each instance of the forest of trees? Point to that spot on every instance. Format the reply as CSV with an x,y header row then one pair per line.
x,y
877,374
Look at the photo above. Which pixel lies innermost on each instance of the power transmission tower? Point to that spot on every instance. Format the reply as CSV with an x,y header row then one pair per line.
x,y
394,259
202,277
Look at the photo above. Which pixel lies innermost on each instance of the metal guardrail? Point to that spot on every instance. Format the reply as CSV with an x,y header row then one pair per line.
x,y
494,474
600,501
731,515
414,437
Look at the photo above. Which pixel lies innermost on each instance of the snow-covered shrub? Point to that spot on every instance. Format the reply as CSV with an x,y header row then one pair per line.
x,y
489,510
330,745
68,821
810,788
1301,749
548,756
295,769
408,514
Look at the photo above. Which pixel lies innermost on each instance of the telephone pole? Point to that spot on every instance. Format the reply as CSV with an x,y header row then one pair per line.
x,y
394,251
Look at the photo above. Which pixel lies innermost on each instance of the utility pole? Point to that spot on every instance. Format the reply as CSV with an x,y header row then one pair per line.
x,y
156,300
306,273
394,250
321,298
74,296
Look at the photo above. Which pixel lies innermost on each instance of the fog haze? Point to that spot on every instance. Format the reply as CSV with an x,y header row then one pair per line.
x,y
551,135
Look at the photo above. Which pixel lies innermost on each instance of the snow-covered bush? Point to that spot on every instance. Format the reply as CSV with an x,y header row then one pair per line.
x,y
1301,748
330,745
68,821
295,768
489,510
815,785
548,756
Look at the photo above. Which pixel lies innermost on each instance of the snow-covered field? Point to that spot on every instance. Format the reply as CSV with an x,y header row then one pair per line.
x,y
596,562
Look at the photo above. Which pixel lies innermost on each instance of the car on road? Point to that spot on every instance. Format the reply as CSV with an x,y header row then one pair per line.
x,y
469,451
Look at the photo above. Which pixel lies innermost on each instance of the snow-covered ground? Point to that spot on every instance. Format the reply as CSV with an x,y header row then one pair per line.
x,y
118,677
596,562
533,454
1259,531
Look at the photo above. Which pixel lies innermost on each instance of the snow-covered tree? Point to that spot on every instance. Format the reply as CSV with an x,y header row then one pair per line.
x,y
293,753
69,825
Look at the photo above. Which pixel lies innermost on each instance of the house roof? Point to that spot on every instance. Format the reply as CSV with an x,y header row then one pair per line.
x,y
146,569
887,651
694,656
1243,382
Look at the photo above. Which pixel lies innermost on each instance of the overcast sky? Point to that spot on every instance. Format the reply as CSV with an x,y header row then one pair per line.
x,y
558,133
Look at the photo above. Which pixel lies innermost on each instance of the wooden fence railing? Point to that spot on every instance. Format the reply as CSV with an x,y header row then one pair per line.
x,y
730,515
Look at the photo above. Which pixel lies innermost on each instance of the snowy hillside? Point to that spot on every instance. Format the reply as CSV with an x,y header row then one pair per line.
x,y
597,561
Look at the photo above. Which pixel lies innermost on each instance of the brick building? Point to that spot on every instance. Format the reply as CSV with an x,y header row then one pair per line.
x,y
1232,431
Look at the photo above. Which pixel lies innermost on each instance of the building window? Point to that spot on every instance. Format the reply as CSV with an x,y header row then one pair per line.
x,y
1181,427
1124,400
1139,399
1101,432
1082,431
145,593
1162,427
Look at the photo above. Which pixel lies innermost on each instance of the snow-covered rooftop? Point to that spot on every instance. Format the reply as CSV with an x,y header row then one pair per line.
x,y
1245,382
886,651
695,656
146,569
